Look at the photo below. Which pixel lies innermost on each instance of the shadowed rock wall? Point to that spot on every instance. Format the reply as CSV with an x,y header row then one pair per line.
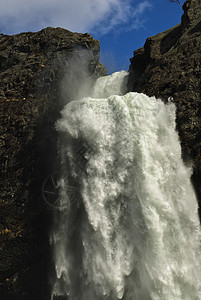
x,y
39,73
169,65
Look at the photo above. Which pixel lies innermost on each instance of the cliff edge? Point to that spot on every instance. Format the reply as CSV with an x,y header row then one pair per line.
x,y
169,65
39,73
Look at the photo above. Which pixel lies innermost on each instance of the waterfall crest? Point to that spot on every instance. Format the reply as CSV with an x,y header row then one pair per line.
x,y
132,231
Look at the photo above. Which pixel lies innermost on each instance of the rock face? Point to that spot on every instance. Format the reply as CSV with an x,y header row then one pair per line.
x,y
39,73
169,65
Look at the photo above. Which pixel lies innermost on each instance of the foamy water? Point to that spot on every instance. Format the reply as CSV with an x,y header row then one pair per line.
x,y
134,231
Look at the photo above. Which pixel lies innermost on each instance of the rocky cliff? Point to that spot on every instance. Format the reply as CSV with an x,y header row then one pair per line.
x,y
39,73
169,65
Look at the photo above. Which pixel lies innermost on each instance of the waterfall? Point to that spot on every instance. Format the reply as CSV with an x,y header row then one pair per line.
x,y
127,226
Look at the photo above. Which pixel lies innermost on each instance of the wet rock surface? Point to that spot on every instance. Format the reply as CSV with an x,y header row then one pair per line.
x,y
169,65
39,73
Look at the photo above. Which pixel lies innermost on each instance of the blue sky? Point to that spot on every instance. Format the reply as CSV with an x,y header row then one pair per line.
x,y
121,26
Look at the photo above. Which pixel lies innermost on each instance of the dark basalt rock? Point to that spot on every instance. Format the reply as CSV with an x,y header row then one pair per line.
x,y
169,65
39,73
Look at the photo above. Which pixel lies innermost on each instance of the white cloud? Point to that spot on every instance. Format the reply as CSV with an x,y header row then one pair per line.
x,y
76,15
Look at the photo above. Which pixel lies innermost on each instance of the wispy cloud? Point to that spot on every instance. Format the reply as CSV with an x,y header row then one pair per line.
x,y
125,15
100,16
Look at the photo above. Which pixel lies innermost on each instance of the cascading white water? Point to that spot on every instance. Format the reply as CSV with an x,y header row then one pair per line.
x,y
133,232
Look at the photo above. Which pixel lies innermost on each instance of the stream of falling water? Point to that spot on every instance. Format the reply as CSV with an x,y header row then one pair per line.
x,y
132,231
